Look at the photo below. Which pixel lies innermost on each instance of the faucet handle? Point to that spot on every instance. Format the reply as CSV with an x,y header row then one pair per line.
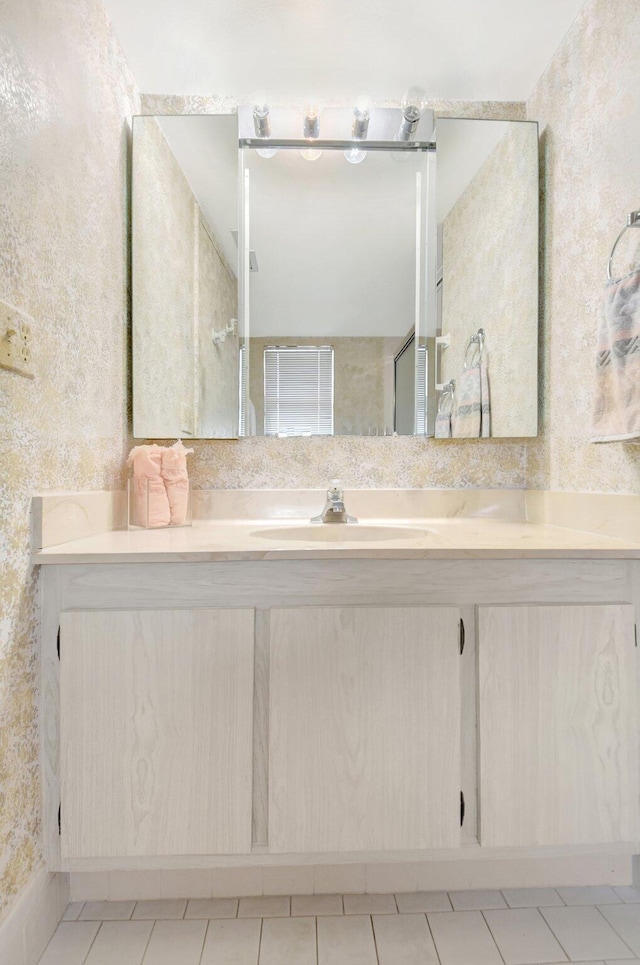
x,y
335,489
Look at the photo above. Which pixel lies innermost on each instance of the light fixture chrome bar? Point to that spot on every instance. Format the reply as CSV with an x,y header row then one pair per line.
x,y
330,145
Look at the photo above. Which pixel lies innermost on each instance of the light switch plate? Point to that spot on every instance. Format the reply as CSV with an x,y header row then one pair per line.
x,y
16,335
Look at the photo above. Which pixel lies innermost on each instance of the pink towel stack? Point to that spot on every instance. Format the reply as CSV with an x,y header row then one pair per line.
x,y
160,484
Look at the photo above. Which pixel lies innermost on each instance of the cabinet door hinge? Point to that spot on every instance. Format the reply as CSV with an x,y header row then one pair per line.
x,y
461,808
60,819
58,643
461,637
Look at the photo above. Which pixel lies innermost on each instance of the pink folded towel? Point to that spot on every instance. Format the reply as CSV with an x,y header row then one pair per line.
x,y
176,480
151,503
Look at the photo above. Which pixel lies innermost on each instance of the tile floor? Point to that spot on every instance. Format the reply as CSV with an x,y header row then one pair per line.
x,y
537,926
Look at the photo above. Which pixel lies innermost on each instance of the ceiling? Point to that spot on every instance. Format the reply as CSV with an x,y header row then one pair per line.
x,y
458,49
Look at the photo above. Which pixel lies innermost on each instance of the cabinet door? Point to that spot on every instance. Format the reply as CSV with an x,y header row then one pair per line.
x,y
558,725
156,732
364,731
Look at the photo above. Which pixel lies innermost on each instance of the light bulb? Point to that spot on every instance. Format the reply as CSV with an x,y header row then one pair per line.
x,y
311,154
261,122
266,152
312,120
354,155
413,105
361,117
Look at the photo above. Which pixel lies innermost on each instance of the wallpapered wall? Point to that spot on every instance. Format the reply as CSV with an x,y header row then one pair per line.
x,y
588,106
65,97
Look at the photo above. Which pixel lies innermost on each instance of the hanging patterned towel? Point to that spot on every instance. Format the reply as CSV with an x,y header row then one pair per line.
x,y
468,416
444,415
616,406
485,398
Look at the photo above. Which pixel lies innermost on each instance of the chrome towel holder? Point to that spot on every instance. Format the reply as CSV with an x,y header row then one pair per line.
x,y
633,221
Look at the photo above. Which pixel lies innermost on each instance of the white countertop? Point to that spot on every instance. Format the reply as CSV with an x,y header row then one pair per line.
x,y
442,538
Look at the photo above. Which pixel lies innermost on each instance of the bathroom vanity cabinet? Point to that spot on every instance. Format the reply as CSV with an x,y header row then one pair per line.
x,y
356,707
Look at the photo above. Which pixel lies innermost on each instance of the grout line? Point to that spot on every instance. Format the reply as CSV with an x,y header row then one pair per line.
x,y
548,924
495,941
342,899
395,898
91,945
375,943
615,930
260,942
146,947
317,949
204,942
432,938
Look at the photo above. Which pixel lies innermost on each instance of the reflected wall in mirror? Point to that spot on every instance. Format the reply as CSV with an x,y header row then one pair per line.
x,y
333,291
487,203
184,277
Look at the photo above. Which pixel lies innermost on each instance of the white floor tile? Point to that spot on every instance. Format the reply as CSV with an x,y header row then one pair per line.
x,y
476,900
628,893
70,943
584,933
370,905
73,910
403,940
523,936
315,905
175,941
269,906
410,904
531,897
232,942
598,895
212,908
120,943
346,941
628,961
626,921
463,938
159,910
107,910
288,940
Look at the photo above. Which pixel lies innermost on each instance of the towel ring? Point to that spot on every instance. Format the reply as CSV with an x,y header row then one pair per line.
x,y
633,221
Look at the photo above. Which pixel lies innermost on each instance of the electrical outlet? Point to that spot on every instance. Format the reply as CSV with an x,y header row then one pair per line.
x,y
16,340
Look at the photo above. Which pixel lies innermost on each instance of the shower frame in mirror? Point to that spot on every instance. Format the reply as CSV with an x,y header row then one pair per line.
x,y
423,329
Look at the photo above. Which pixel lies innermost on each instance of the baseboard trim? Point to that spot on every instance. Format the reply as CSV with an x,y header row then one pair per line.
x,y
354,878
33,917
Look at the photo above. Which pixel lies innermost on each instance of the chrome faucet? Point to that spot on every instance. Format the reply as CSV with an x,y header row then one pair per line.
x,y
334,511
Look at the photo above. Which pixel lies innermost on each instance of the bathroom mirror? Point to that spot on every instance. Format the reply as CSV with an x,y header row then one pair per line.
x,y
333,291
487,210
185,331
398,294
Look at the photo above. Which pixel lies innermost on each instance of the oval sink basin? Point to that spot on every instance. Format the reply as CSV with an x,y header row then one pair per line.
x,y
341,533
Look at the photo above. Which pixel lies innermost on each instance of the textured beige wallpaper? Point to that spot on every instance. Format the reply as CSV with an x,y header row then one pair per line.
x,y
588,106
165,217
65,96
217,365
490,279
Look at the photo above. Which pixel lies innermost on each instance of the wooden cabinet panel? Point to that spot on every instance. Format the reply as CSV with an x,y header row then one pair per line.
x,y
156,732
364,732
558,725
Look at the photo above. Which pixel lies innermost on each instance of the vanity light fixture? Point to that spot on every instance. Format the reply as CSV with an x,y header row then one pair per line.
x,y
413,105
